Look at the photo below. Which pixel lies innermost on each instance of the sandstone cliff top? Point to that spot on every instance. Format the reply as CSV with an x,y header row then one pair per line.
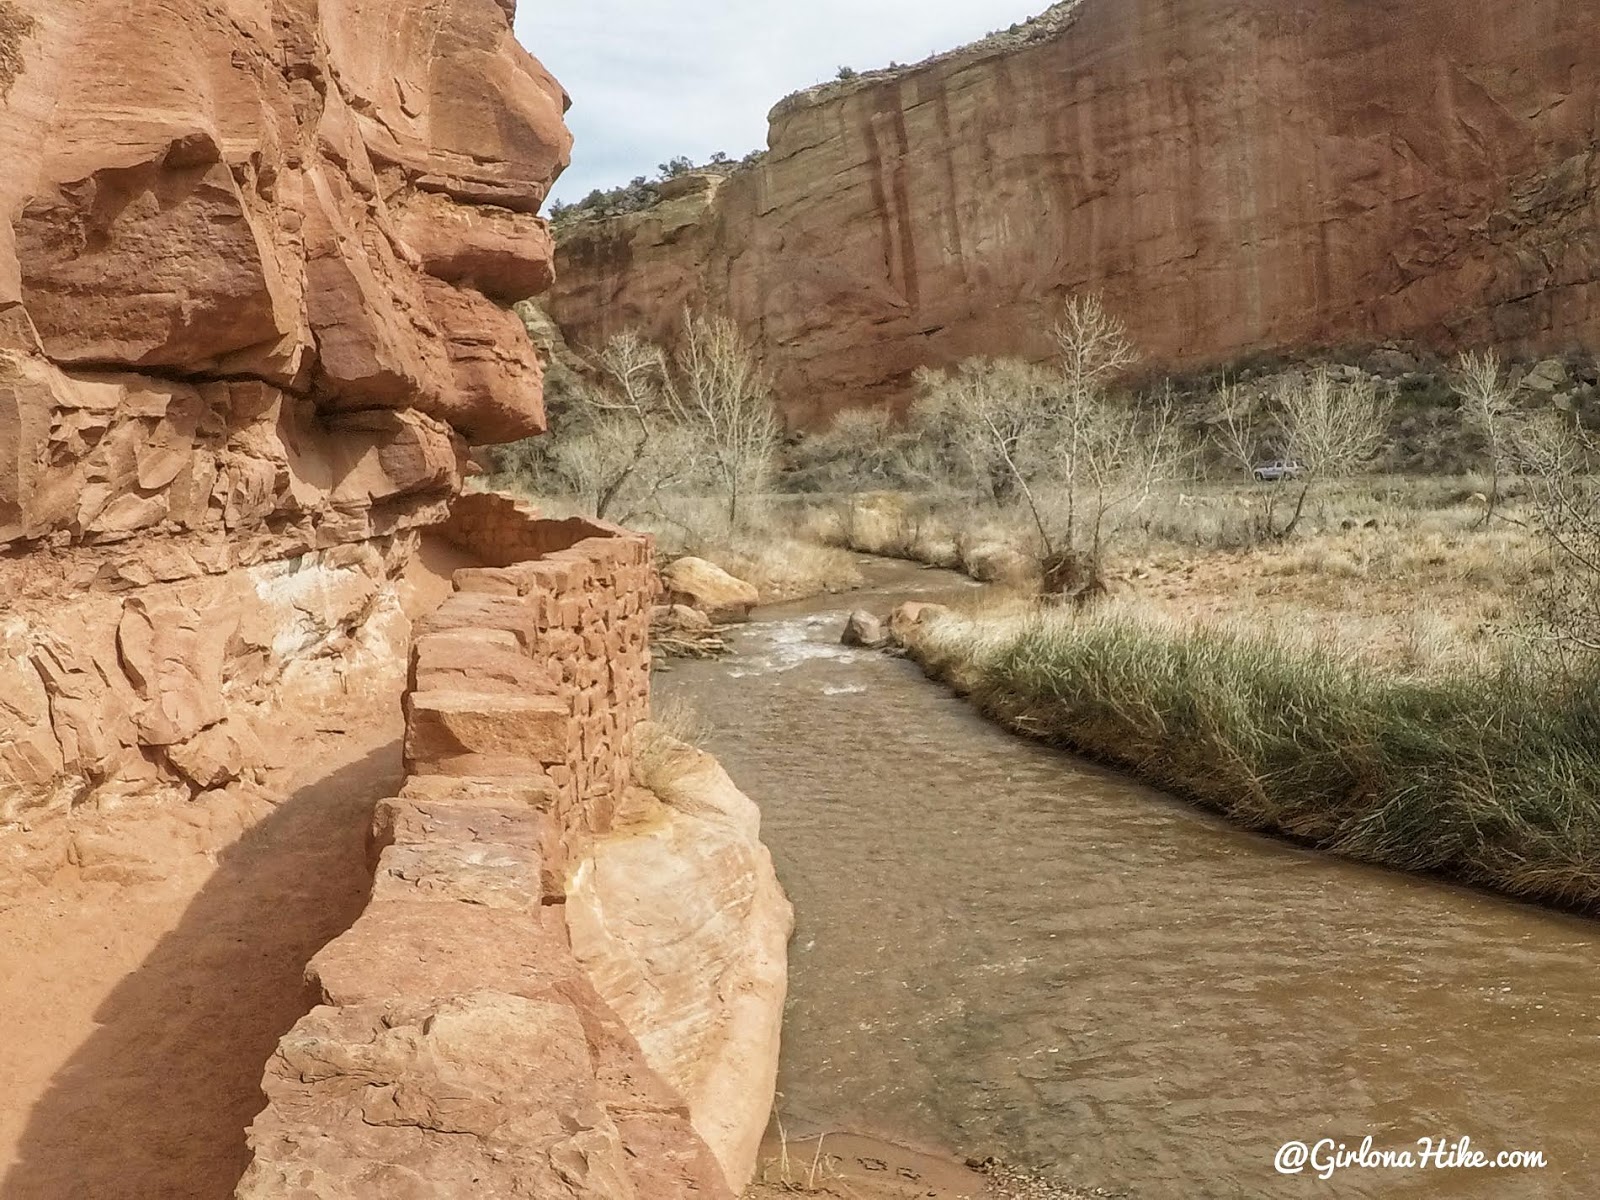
x,y
1041,28
645,196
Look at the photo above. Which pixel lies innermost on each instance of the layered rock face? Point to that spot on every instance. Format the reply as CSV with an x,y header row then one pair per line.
x,y
1239,178
252,283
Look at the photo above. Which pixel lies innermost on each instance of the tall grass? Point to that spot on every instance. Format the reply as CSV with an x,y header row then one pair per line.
x,y
1491,775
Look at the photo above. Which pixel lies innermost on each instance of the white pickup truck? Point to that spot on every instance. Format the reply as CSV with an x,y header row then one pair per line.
x,y
1277,472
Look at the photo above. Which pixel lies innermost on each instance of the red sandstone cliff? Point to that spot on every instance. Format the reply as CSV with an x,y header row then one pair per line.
x,y
1236,176
252,283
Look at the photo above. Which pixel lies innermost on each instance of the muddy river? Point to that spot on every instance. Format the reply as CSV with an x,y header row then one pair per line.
x,y
1004,950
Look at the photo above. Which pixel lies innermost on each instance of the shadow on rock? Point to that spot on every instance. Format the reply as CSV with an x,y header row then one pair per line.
x,y
156,1102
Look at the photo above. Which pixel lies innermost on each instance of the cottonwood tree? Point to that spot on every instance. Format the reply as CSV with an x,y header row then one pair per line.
x,y
1235,431
627,418
867,449
1331,429
996,416
616,444
723,400
641,423
1127,451
1094,346
1053,437
1487,401
1558,458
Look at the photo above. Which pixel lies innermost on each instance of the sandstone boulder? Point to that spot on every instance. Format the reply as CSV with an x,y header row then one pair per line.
x,y
1547,377
219,755
679,920
701,585
908,621
680,618
864,630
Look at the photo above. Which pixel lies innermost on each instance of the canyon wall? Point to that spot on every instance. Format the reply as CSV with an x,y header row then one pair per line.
x,y
253,277
1236,177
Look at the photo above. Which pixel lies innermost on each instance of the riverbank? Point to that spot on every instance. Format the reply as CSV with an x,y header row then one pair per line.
x,y
1404,574
1356,689
1484,775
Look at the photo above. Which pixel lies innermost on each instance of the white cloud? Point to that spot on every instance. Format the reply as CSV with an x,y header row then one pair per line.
x,y
653,80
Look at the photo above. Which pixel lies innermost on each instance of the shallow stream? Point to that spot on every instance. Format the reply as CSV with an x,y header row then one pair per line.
x,y
1005,950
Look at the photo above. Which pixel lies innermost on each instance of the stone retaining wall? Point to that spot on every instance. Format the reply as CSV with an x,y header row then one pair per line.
x,y
538,671
458,1048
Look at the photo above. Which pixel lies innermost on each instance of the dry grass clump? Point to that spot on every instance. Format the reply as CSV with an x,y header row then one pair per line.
x,y
1496,557
675,732
988,544
813,1174
1489,774
893,525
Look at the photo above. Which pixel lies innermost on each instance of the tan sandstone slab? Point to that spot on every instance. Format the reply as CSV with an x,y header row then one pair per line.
x,y
465,732
432,948
487,1095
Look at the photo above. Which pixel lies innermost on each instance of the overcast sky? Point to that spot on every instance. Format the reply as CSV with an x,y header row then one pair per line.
x,y
651,79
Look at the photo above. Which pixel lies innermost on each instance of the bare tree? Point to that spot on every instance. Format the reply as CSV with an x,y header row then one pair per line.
x,y
1558,457
1235,431
1333,428
868,449
642,422
627,414
1094,346
1330,429
1053,438
1129,451
617,443
717,392
996,415
1487,399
